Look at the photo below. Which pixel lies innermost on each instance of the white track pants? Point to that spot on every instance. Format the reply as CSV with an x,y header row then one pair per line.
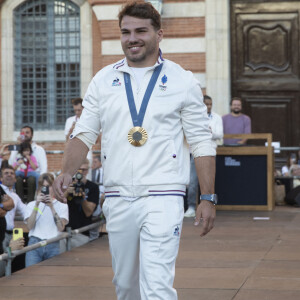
x,y
144,239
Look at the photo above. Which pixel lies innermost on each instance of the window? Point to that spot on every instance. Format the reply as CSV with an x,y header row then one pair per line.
x,y
47,62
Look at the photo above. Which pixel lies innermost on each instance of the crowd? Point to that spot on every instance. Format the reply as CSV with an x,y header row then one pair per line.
x,y
45,217
26,191
28,161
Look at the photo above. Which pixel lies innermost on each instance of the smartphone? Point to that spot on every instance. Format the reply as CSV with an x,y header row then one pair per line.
x,y
45,190
14,147
17,233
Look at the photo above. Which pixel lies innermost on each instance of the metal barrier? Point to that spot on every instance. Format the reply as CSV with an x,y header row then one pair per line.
x,y
62,151
10,255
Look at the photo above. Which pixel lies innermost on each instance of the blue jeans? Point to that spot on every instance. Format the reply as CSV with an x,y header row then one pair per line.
x,y
34,174
37,255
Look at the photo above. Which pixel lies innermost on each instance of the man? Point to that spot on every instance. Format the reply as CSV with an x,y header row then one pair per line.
x,y
71,121
26,135
8,179
83,197
216,125
236,122
145,159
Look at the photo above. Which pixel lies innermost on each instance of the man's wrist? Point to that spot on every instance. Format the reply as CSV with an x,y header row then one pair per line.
x,y
213,198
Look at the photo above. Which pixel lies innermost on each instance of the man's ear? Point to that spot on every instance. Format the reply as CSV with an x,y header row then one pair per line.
x,y
160,34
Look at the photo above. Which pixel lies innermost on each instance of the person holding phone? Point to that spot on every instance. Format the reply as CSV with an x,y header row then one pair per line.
x,y
45,218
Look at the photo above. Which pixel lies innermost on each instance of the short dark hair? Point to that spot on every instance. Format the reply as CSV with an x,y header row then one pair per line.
x,y
236,98
76,101
142,10
206,97
24,146
4,166
27,126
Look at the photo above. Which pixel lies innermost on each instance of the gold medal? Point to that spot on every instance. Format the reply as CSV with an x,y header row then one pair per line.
x,y
137,136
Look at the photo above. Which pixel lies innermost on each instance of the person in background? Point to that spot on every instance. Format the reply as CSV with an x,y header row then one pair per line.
x,y
216,126
45,218
83,198
26,135
25,166
71,121
236,122
8,179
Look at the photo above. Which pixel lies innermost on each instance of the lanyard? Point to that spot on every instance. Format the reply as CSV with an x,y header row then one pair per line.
x,y
137,119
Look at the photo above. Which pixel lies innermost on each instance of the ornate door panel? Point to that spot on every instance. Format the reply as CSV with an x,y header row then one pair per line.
x,y
265,65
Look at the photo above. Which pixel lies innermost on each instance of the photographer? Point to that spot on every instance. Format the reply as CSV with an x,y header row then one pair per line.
x,y
45,218
83,197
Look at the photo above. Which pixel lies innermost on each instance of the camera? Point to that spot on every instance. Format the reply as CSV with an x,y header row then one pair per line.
x,y
78,185
14,147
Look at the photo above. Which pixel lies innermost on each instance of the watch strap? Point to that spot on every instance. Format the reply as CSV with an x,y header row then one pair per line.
x,y
210,197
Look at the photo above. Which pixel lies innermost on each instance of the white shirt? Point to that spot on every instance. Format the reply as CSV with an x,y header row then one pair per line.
x,y
20,207
45,227
40,155
69,123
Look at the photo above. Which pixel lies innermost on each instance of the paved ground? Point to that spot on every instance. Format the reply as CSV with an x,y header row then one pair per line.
x,y
241,259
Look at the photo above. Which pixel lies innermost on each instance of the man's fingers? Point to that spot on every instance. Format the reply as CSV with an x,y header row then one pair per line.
x,y
60,185
205,227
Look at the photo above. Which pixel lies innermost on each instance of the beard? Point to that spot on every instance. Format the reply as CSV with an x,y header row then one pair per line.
x,y
147,50
236,111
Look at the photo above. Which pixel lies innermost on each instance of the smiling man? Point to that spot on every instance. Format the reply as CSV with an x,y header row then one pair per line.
x,y
146,107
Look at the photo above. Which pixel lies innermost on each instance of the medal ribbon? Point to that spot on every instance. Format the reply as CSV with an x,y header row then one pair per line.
x,y
137,119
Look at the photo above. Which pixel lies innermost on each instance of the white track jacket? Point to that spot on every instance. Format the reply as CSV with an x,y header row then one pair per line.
x,y
175,117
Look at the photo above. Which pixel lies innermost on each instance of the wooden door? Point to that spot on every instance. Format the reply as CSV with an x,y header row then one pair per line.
x,y
265,65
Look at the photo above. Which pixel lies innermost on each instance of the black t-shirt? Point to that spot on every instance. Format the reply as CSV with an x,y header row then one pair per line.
x,y
2,223
77,218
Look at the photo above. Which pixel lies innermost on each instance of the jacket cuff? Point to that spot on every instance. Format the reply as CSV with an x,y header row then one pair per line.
x,y
205,148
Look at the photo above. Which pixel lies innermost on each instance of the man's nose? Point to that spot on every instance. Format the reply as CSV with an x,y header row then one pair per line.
x,y
132,37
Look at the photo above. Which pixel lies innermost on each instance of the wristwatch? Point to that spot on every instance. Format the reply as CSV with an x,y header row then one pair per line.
x,y
210,197
1,206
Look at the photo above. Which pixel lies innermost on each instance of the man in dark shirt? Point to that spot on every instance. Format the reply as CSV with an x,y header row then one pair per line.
x,y
83,197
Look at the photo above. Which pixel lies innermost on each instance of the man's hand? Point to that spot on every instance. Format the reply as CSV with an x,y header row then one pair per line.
x,y
206,213
60,185
4,150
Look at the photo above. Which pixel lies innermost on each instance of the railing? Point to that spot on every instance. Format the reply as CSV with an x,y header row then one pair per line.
x,y
62,151
10,255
